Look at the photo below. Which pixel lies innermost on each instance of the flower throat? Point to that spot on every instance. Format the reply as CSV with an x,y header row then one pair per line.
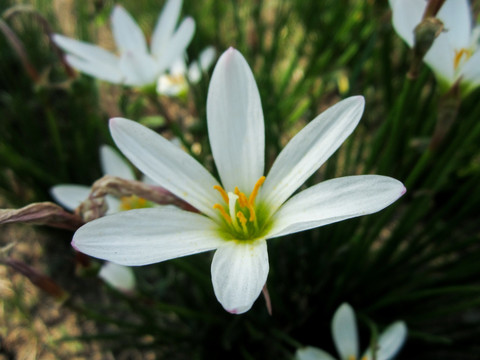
x,y
243,218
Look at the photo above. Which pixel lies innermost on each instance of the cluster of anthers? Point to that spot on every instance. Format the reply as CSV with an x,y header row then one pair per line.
x,y
132,202
240,213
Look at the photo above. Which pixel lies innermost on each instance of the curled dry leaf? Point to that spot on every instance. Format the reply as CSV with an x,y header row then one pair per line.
x,y
43,213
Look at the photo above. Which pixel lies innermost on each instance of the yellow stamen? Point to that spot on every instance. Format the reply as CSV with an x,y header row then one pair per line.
x,y
459,56
364,358
223,212
242,200
351,357
243,221
253,195
132,202
252,212
222,192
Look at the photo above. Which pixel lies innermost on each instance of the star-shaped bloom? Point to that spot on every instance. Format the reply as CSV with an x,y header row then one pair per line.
x,y
453,55
345,337
241,211
134,65
179,76
70,196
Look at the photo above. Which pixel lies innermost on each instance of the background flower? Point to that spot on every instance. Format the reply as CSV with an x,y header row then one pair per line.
x,y
134,65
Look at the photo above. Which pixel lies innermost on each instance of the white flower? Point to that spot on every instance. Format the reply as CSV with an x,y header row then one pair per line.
x,y
71,196
134,65
176,81
345,337
454,54
240,213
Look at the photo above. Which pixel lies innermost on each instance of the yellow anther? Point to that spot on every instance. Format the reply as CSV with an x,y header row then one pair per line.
x,y
459,56
242,200
223,212
243,221
364,358
352,357
252,212
222,192
253,195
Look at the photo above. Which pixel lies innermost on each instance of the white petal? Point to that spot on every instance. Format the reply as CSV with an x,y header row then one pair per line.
x,y
177,45
166,164
206,57
85,50
147,236
440,58
113,164
101,71
312,353
335,200
389,342
235,123
457,20
406,15
70,196
309,149
239,272
118,276
344,331
139,69
126,32
113,204
165,26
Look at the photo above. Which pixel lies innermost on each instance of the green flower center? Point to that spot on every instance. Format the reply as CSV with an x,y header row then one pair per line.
x,y
242,217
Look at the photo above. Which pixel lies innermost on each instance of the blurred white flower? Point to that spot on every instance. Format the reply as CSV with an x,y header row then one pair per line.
x,y
237,216
453,55
345,337
134,64
179,76
71,196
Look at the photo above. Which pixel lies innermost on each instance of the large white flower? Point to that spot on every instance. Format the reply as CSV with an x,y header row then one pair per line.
x,y
454,54
179,75
345,337
134,65
239,213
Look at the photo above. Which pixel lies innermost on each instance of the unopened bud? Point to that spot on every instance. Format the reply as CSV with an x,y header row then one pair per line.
x,y
425,34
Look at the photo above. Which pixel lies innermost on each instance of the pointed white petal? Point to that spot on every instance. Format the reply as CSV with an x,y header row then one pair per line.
x,y
194,73
457,20
335,200
70,196
113,164
126,32
312,353
165,26
177,45
239,272
344,331
85,50
309,149
166,164
100,71
406,15
139,69
118,276
206,57
147,236
235,123
389,342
